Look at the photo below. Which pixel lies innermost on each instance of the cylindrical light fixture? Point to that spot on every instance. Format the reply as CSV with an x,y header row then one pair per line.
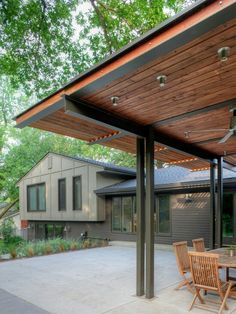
x,y
223,53
162,80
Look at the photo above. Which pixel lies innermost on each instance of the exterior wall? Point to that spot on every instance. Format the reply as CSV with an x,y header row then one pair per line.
x,y
50,170
189,220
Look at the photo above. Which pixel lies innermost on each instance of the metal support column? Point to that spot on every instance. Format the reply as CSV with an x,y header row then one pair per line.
x,y
140,205
212,206
219,202
149,215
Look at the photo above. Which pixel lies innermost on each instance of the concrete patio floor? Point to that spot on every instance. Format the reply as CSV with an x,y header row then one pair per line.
x,y
91,281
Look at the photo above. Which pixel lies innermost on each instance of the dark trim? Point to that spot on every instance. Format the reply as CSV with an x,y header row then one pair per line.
x,y
37,197
147,36
219,202
42,114
59,201
212,237
149,214
157,209
73,191
140,212
195,112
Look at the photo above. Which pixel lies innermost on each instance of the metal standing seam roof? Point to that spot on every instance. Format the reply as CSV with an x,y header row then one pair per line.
x,y
168,177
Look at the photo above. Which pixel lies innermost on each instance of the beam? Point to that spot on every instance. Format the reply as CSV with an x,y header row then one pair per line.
x,y
231,102
181,146
212,206
149,215
140,203
88,112
219,202
106,138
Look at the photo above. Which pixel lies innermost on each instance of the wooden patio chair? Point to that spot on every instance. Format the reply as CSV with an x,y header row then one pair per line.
x,y
182,259
205,276
199,245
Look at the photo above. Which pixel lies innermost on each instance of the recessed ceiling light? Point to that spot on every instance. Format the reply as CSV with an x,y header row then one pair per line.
x,y
114,100
162,80
223,53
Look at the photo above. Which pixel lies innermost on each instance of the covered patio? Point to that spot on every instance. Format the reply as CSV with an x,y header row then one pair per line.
x,y
170,96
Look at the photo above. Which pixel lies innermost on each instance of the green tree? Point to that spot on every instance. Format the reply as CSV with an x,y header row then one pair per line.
x,y
36,40
110,24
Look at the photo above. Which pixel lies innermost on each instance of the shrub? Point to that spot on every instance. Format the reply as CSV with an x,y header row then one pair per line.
x,y
30,251
12,251
7,230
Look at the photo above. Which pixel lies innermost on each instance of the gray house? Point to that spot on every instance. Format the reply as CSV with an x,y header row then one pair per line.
x,y
65,196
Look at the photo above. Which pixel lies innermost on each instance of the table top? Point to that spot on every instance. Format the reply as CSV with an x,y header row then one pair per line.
x,y
225,260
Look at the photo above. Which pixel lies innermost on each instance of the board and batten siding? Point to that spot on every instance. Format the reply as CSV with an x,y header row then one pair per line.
x,y
54,167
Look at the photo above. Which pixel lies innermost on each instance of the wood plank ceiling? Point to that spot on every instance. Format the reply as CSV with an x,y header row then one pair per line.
x,y
196,79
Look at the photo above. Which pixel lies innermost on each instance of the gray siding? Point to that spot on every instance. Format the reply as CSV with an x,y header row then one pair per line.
x,y
189,220
50,170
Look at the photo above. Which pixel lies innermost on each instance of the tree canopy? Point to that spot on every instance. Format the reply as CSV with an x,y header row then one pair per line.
x,y
43,44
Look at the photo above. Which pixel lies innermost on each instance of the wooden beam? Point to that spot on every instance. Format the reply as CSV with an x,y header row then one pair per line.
x,y
106,138
140,203
228,103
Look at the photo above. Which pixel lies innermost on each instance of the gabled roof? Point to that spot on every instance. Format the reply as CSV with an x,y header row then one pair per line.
x,y
169,178
107,167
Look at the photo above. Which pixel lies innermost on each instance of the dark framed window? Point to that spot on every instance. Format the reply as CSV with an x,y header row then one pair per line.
x,y
62,194
124,214
162,215
116,214
36,197
77,193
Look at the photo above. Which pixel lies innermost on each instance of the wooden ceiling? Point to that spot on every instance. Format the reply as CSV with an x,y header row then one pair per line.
x,y
196,79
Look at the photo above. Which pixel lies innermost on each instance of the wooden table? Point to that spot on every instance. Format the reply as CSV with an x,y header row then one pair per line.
x,y
226,261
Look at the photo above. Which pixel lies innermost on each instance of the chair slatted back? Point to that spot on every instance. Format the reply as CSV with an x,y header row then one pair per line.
x,y
199,245
181,254
204,269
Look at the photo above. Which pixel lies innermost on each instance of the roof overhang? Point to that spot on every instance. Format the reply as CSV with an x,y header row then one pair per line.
x,y
199,92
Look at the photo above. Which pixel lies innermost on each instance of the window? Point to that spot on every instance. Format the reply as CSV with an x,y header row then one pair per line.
x,y
116,214
36,197
127,214
77,193
61,194
162,224
124,214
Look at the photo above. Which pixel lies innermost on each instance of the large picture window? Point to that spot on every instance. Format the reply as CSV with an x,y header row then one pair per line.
x,y
36,197
162,215
77,193
61,194
123,214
